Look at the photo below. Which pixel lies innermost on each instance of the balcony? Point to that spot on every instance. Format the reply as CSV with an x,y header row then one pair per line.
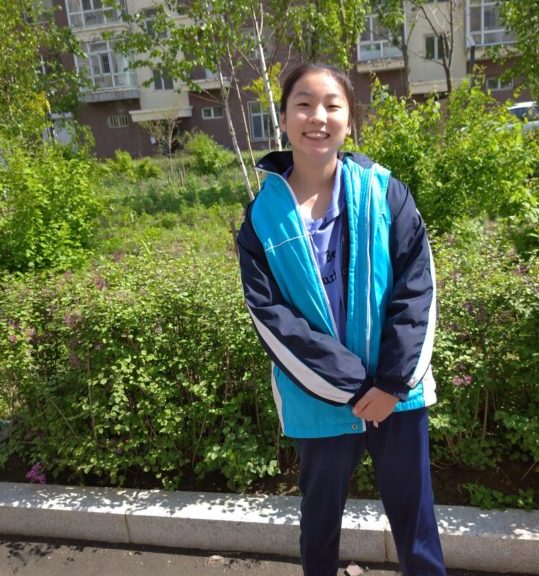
x,y
378,55
91,14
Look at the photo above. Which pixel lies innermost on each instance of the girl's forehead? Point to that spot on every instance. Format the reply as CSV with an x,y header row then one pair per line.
x,y
317,83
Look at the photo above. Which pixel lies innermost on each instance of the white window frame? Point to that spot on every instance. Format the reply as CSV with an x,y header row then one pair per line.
x,y
499,85
106,68
161,80
480,36
149,18
93,14
213,113
264,115
438,47
385,48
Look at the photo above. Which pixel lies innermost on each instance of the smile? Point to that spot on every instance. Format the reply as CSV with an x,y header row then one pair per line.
x,y
316,135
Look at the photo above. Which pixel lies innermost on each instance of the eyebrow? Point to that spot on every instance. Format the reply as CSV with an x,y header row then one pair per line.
x,y
304,93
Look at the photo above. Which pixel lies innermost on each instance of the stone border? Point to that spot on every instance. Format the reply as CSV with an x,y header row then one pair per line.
x,y
473,539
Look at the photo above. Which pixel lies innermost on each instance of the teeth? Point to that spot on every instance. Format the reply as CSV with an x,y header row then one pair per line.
x,y
317,135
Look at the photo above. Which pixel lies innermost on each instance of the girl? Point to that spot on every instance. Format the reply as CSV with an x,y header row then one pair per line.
x,y
339,282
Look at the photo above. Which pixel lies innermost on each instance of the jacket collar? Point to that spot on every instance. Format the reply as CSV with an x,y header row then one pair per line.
x,y
279,162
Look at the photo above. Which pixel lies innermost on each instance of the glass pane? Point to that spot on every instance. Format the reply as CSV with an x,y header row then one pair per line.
x,y
429,47
256,108
258,131
73,6
206,113
391,52
494,37
76,20
477,38
90,19
492,18
86,4
105,63
168,83
98,47
492,83
475,19
366,34
158,85
98,4
95,66
440,54
120,80
370,52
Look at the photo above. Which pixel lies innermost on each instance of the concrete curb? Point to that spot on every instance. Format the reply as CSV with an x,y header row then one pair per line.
x,y
499,541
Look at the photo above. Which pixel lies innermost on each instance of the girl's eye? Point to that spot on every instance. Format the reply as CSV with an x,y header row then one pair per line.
x,y
303,104
334,107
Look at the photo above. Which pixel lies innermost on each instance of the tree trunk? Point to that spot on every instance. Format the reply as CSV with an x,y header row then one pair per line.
x,y
406,62
267,85
232,133
244,118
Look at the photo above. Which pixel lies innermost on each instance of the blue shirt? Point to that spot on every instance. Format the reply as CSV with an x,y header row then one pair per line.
x,y
325,234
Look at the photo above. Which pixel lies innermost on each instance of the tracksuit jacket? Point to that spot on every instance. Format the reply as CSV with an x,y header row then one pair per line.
x,y
388,274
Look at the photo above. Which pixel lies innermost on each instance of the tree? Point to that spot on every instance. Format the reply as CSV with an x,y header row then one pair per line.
x,y
392,17
326,30
443,23
522,19
33,79
190,35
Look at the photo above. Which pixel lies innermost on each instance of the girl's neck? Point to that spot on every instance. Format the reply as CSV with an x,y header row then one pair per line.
x,y
312,185
310,179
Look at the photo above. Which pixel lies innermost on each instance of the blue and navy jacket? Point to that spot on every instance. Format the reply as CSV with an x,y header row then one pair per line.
x,y
388,273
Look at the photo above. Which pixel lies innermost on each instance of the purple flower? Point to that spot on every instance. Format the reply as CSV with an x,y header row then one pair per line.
x,y
462,380
12,338
36,475
117,256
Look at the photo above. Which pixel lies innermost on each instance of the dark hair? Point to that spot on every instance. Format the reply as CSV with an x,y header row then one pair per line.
x,y
340,77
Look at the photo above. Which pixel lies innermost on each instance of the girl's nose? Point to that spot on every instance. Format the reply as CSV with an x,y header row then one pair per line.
x,y
319,115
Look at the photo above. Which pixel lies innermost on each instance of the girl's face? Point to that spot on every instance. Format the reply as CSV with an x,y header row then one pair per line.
x,y
317,116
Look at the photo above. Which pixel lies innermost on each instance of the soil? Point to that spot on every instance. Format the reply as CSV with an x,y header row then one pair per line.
x,y
448,482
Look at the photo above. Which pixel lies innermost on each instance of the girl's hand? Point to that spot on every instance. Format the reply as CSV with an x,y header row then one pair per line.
x,y
375,406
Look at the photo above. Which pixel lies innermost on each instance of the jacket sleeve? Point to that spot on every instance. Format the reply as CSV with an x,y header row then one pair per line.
x,y
315,361
408,332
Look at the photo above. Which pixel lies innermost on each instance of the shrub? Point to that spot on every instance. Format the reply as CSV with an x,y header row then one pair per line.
x,y
485,359
208,156
48,207
141,364
133,170
461,160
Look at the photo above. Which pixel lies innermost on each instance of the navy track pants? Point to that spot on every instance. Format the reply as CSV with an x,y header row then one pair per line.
x,y
400,451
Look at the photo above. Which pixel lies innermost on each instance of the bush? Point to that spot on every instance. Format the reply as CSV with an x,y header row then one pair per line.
x,y
208,156
461,160
48,207
142,364
485,359
133,170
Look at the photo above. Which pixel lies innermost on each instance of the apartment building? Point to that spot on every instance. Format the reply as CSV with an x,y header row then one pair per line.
x,y
470,26
119,98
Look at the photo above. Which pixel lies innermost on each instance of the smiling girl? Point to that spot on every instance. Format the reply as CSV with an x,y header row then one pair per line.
x,y
339,282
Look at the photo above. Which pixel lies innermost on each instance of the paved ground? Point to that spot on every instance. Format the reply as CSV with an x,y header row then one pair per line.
x,y
60,558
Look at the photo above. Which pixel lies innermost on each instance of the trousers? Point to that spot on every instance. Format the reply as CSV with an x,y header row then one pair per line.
x,y
399,448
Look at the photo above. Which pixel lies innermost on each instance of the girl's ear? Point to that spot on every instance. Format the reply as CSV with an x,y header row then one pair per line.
x,y
282,123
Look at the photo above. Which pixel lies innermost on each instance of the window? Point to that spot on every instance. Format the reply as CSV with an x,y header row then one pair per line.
x,y
434,47
485,25
149,19
162,81
212,113
261,128
121,121
104,67
496,83
91,13
374,42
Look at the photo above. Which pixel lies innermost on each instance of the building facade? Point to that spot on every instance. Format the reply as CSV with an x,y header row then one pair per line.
x,y
120,99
